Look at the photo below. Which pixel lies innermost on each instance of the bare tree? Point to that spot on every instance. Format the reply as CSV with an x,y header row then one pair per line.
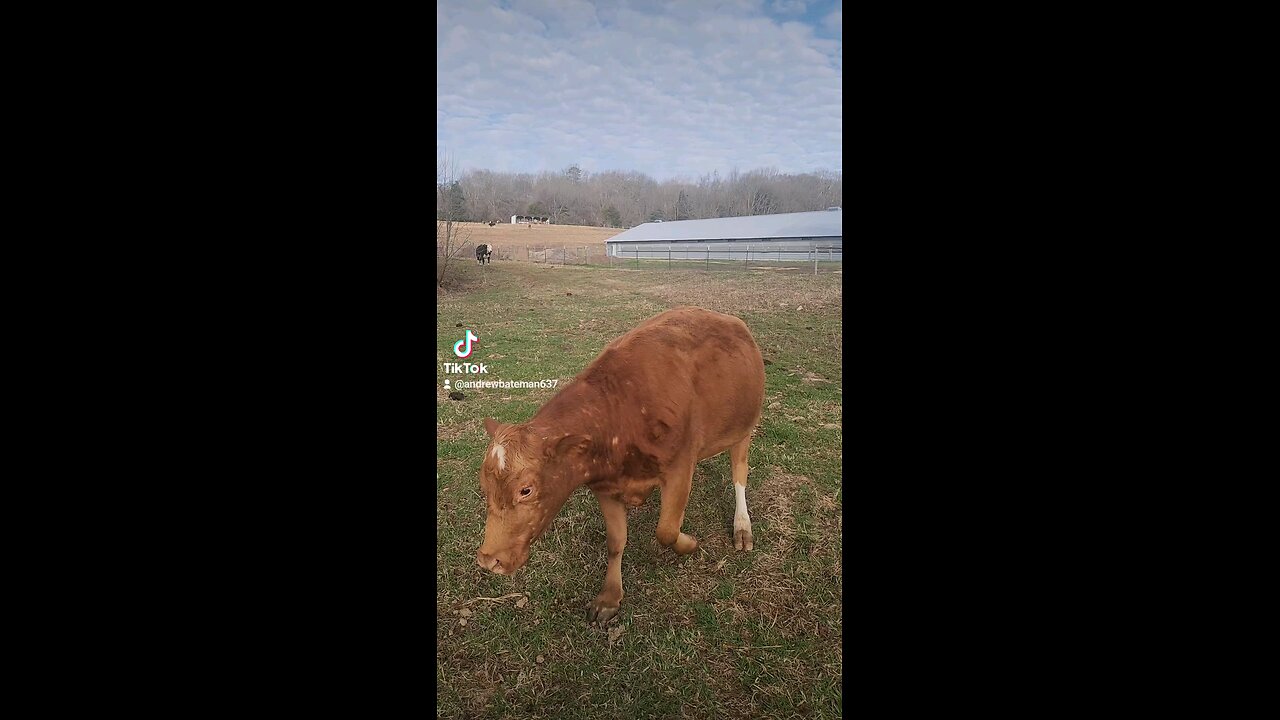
x,y
451,234
483,193
577,197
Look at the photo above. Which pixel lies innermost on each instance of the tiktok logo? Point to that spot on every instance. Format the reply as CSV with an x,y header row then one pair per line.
x,y
459,350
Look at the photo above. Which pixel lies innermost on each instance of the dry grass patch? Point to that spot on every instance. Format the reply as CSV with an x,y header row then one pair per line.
x,y
505,234
453,430
742,292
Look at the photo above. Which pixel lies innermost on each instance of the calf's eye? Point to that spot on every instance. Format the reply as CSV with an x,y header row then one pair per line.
x,y
526,491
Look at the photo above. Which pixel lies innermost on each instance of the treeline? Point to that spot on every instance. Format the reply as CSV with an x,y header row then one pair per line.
x,y
626,199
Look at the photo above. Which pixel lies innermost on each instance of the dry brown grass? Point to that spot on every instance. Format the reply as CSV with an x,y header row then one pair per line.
x,y
737,293
453,430
504,235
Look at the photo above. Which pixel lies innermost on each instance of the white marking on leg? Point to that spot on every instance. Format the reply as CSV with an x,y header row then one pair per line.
x,y
741,519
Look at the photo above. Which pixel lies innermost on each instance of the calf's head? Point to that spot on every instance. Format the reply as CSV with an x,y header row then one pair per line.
x,y
526,480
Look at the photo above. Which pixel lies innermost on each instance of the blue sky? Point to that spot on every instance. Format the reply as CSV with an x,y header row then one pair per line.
x,y
669,88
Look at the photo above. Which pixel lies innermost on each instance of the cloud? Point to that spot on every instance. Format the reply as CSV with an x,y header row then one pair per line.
x,y
789,7
833,20
665,88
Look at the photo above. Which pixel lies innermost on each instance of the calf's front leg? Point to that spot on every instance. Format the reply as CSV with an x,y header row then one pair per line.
x,y
675,497
606,604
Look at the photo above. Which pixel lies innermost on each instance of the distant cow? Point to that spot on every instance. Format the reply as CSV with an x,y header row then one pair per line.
x,y
492,223
484,253
681,387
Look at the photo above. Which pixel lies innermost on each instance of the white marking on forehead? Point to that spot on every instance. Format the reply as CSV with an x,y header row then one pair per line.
x,y
500,453
615,439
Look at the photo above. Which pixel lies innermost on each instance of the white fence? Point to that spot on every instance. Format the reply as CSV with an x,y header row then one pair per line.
x,y
817,258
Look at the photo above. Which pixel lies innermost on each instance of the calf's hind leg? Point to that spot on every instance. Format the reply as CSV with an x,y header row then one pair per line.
x,y
742,539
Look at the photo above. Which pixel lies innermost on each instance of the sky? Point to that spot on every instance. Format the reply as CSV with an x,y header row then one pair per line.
x,y
672,89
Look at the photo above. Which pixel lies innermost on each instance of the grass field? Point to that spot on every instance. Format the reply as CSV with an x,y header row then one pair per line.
x,y
508,235
715,634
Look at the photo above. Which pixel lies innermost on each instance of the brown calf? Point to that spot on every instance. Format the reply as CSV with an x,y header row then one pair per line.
x,y
682,386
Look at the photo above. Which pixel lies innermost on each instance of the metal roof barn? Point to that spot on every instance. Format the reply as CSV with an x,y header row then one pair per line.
x,y
785,236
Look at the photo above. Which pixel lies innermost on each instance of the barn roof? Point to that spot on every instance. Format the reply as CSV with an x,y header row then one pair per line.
x,y
823,223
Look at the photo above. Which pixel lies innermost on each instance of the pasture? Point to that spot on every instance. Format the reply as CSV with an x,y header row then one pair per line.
x,y
715,634
506,235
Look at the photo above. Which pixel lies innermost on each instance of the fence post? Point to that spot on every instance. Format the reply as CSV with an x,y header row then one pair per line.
x,y
636,254
668,257
708,264
747,262
815,261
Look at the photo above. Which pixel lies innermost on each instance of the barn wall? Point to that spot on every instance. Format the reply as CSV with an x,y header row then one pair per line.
x,y
828,248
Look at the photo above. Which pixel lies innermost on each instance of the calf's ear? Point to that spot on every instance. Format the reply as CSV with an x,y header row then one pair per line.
x,y
491,426
568,445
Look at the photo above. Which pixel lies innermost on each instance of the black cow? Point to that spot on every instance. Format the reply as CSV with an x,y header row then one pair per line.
x,y
484,253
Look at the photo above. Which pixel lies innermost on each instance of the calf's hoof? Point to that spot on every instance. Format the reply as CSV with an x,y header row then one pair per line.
x,y
685,544
742,539
601,611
